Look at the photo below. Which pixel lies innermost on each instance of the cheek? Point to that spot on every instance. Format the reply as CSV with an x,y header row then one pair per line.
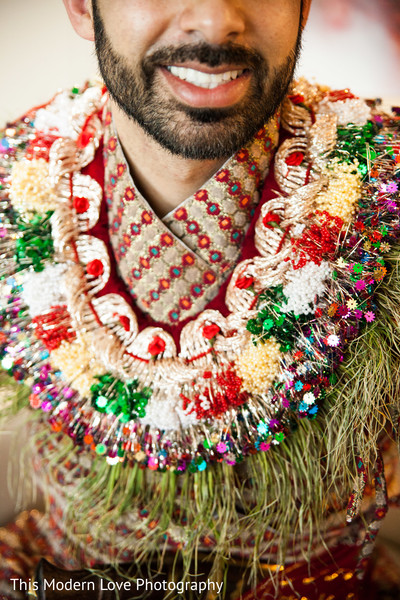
x,y
277,28
134,26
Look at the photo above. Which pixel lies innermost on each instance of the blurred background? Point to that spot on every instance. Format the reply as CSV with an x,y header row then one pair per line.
x,y
347,43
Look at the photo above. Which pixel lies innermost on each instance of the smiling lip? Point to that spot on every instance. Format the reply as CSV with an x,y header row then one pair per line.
x,y
204,87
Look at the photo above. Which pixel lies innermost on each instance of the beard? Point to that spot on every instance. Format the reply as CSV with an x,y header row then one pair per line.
x,y
189,132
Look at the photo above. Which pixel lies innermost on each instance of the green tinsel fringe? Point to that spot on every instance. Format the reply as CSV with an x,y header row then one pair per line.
x,y
289,489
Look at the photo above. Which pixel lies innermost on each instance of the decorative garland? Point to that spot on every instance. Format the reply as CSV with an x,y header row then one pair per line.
x,y
238,384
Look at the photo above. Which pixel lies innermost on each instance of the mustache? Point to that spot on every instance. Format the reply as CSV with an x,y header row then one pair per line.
x,y
206,54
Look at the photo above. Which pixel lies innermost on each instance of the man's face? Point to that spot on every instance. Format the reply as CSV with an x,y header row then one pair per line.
x,y
199,76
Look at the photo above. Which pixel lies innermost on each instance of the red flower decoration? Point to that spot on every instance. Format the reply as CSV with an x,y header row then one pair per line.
x,y
147,218
192,227
120,170
129,194
164,284
235,188
359,226
187,260
125,322
337,95
242,155
112,144
201,195
135,229
81,205
260,134
154,252
215,256
271,220
210,331
243,283
253,169
209,278
175,272
318,241
181,214
40,146
54,327
196,290
297,99
157,346
244,201
267,143
185,303
213,209
144,262
229,384
95,268
225,223
295,159
223,175
127,240
166,239
204,241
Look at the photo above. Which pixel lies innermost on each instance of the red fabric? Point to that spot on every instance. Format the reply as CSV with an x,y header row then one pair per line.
x,y
329,576
116,285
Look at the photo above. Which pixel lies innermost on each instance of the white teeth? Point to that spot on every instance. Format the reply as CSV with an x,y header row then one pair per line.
x,y
204,80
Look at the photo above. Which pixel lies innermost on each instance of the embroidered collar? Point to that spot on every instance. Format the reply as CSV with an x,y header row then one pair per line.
x,y
174,266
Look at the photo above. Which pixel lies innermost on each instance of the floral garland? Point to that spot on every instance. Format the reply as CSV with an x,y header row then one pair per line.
x,y
237,383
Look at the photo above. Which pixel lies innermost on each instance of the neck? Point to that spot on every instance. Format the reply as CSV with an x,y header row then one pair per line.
x,y
165,180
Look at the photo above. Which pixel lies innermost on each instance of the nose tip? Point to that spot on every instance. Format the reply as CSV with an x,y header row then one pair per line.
x,y
214,21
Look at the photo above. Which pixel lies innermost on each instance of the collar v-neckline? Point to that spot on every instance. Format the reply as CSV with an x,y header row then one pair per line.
x,y
174,265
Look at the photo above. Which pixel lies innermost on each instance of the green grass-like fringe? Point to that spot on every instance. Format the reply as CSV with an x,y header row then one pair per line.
x,y
290,490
